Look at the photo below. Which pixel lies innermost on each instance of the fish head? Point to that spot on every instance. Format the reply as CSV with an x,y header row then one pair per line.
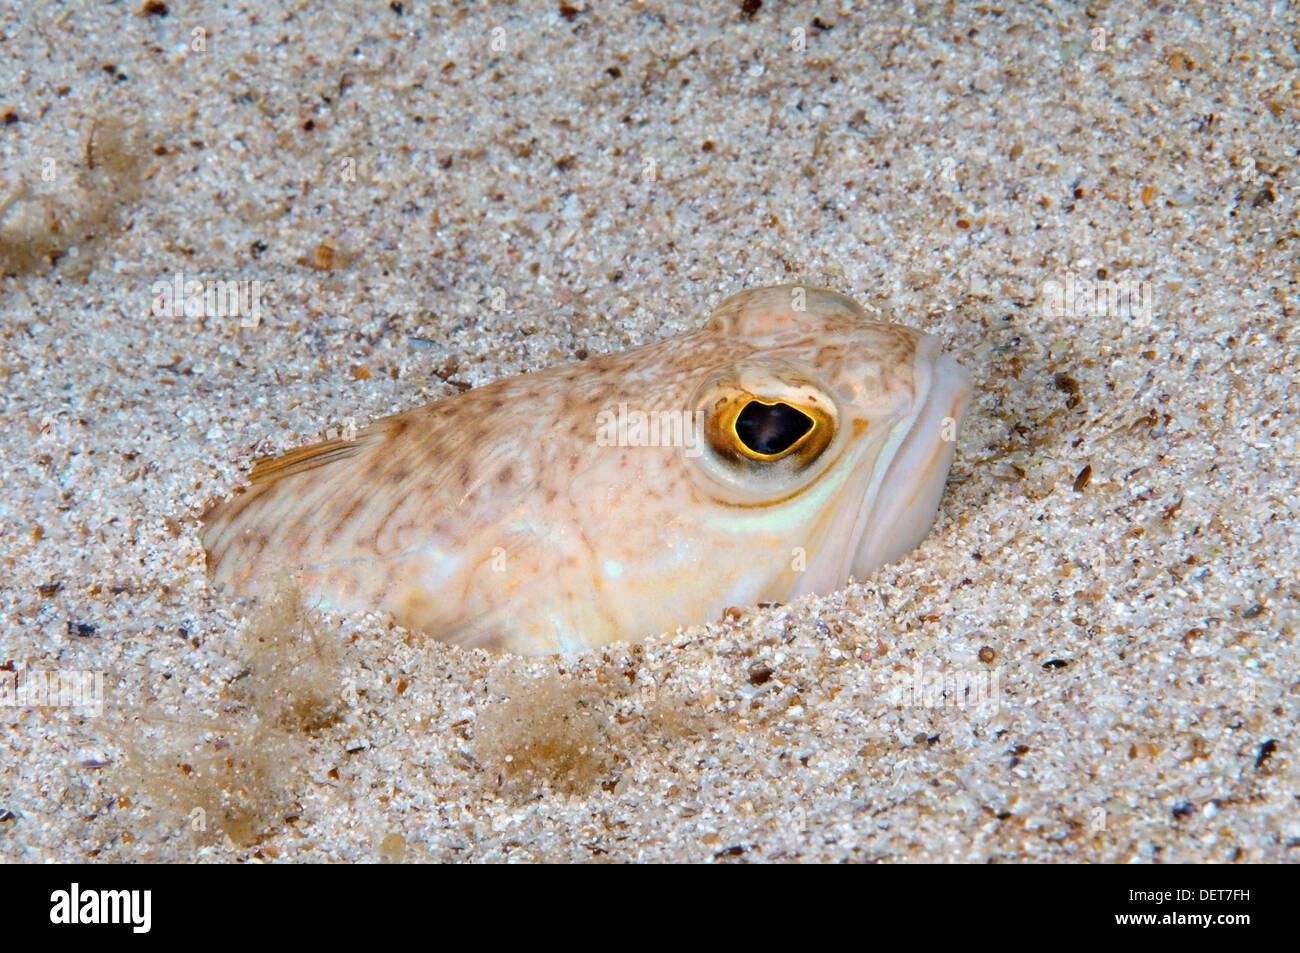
x,y
828,427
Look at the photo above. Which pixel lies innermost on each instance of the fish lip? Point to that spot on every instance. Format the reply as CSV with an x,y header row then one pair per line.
x,y
907,503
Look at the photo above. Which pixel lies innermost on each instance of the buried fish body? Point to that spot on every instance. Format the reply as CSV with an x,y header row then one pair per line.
x,y
787,445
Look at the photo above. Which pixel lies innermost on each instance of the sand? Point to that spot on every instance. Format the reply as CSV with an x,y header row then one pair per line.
x,y
434,197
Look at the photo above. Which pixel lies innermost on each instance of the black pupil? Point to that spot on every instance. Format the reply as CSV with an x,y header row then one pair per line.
x,y
770,429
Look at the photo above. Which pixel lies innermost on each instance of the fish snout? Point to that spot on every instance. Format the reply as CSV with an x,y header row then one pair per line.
x,y
907,502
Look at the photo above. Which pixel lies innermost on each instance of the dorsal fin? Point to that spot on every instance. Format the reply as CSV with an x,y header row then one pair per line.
x,y
269,469
264,479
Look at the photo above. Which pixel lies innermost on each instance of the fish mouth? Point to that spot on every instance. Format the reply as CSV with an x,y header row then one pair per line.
x,y
900,513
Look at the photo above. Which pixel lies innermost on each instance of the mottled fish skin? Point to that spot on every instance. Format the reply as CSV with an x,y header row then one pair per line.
x,y
497,518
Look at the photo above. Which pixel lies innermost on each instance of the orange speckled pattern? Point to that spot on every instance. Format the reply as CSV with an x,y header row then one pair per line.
x,y
497,518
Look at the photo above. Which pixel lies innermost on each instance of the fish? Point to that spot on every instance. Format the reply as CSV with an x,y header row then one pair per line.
x,y
787,445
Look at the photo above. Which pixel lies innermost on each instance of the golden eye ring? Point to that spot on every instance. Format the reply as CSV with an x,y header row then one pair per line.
x,y
741,426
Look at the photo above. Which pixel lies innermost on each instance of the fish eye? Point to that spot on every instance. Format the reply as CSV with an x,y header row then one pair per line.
x,y
765,419
771,430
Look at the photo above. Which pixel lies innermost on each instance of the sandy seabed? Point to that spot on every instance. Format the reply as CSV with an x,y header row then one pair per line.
x,y
435,196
